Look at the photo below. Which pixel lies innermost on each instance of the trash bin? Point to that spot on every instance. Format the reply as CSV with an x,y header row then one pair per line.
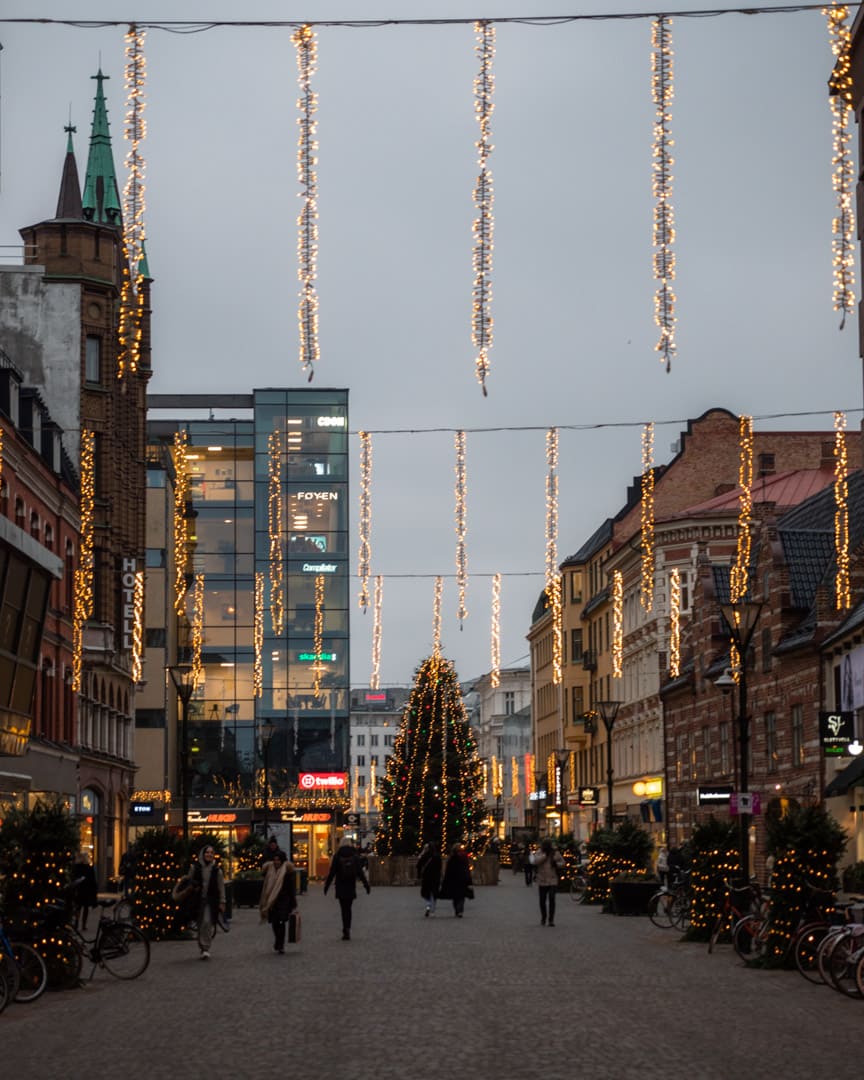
x,y
301,883
229,899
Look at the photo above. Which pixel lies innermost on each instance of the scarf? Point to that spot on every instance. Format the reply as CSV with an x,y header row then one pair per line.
x,y
271,888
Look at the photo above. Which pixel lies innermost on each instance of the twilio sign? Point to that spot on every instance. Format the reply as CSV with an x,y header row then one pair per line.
x,y
311,781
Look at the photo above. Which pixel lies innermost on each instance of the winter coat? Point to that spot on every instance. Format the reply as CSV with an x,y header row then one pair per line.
x,y
457,877
545,863
209,877
346,876
278,893
429,872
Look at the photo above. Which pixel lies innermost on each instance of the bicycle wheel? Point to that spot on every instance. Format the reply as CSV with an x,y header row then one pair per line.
x,y
720,925
62,959
680,911
9,977
124,951
33,975
823,956
807,943
660,909
748,938
859,976
4,988
578,889
842,964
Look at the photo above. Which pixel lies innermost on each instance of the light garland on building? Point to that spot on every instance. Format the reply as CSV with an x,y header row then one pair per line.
x,y
274,526
197,629
738,575
662,86
365,555
375,677
436,616
138,627
553,578
461,527
318,641
647,518
842,592
258,636
484,223
495,658
674,623
307,222
131,307
83,578
843,176
181,494
514,777
617,624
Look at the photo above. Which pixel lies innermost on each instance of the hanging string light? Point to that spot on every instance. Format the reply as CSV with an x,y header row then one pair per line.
x,y
138,627
617,624
553,578
83,579
181,494
843,595
375,677
484,223
318,640
365,555
843,176
662,87
274,525
131,308
307,223
738,575
647,594
514,777
461,557
436,616
495,676
258,636
674,623
197,629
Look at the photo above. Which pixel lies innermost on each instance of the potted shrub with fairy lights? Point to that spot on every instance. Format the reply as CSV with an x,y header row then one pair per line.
x,y
713,857
615,853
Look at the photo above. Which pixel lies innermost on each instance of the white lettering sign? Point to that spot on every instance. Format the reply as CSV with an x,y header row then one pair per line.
x,y
128,569
319,568
331,421
319,496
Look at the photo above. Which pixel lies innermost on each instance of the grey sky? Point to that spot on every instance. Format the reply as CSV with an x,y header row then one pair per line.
x,y
573,289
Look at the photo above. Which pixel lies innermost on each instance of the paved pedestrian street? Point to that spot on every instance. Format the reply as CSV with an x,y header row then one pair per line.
x,y
491,995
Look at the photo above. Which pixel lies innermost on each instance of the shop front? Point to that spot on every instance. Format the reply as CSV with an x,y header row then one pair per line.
x,y
231,826
313,839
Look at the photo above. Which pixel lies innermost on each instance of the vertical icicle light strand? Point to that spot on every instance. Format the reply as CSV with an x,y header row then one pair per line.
x,y
843,595
274,525
843,170
138,627
662,86
495,657
617,624
83,578
197,629
553,578
258,636
674,623
484,223
375,677
318,641
307,222
365,555
738,575
461,526
131,307
436,616
647,594
181,528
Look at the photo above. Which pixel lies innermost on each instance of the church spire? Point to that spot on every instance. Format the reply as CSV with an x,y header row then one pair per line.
x,y
101,199
69,199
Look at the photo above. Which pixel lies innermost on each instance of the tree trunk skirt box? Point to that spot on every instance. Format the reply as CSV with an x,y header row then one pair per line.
x,y
631,897
247,892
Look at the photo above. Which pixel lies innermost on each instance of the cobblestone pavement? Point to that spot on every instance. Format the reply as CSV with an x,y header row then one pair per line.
x,y
493,994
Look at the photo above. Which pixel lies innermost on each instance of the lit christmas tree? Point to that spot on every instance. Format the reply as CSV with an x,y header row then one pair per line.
x,y
434,782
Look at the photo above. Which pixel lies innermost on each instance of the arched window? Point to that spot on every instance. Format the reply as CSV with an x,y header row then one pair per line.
x,y
49,538
4,498
19,512
69,577
34,525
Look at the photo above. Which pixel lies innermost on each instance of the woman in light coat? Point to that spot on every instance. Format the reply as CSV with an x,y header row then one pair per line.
x,y
548,861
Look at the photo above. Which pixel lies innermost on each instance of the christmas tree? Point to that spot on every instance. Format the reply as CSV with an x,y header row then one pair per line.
x,y
434,782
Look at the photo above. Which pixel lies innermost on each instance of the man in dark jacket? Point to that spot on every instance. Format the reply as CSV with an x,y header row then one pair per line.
x,y
346,870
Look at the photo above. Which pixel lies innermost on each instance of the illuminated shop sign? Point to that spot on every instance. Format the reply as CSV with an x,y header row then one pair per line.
x,y
375,698
589,796
127,589
318,496
212,817
319,568
715,795
331,421
836,732
136,809
311,657
315,781
647,789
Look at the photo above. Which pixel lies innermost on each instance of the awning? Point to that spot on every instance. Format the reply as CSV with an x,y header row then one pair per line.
x,y
851,776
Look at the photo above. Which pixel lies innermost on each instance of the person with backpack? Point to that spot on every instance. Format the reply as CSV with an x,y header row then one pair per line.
x,y
346,870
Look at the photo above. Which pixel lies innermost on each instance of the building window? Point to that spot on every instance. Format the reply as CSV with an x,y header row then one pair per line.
x,y
361,760
361,740
388,740
49,538
154,557
19,513
4,498
766,649
373,760
797,735
706,752
93,359
69,576
578,701
373,739
361,781
724,733
34,525
770,742
509,702
155,637
576,646
575,588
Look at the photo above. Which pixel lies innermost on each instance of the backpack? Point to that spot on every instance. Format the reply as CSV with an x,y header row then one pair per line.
x,y
346,868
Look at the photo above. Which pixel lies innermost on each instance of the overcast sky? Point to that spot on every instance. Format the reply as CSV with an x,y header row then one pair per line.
x,y
572,274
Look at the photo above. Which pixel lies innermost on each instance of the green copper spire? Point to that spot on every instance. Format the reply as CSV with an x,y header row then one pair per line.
x,y
101,198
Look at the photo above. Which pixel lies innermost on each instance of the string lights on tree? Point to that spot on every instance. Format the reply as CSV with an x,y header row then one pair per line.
x,y
495,658
84,573
306,46
842,591
843,170
647,518
180,530
617,624
674,623
374,679
553,577
365,555
484,223
274,526
131,308
461,527
662,86
258,636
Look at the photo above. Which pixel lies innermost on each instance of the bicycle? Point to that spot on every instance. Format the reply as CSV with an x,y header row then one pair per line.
x,y
119,947
738,902
578,887
23,971
670,907
752,935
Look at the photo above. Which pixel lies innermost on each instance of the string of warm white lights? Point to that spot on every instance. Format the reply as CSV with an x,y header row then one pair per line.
x,y
484,223
365,555
647,518
83,579
740,569
674,623
318,639
553,578
436,615
137,657
461,528
514,777
274,527
131,312
181,494
374,679
617,624
258,636
843,176
662,88
307,222
495,657
842,592
197,629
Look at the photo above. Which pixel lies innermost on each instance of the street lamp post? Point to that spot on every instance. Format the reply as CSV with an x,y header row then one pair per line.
x,y
266,737
741,618
183,677
539,781
562,756
608,712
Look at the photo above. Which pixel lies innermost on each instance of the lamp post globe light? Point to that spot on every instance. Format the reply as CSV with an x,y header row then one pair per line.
x,y
608,712
183,677
266,736
741,618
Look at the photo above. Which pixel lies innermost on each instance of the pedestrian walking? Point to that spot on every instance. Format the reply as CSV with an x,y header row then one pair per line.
x,y
456,884
270,849
128,871
429,872
528,865
346,870
207,876
278,896
547,863
662,867
85,893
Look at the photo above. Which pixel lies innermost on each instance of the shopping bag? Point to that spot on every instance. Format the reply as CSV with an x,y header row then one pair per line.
x,y
294,927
